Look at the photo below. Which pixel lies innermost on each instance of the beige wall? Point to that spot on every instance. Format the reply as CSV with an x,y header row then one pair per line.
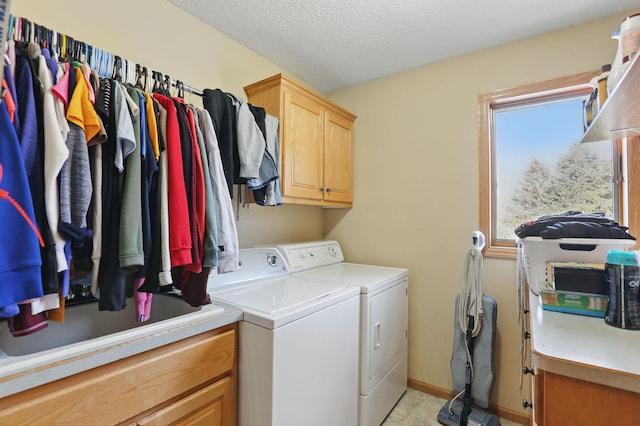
x,y
416,186
162,37
416,155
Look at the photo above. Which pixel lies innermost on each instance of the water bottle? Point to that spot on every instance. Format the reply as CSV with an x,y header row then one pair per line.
x,y
623,283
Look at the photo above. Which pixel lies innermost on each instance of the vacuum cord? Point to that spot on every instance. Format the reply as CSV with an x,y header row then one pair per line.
x,y
471,295
470,304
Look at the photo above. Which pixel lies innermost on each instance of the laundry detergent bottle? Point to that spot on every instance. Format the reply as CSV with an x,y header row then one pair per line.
x,y
623,282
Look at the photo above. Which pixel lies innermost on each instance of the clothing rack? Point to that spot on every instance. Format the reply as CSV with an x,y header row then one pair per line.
x,y
106,64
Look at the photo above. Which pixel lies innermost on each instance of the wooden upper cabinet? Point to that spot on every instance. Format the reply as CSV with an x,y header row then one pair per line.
x,y
338,154
302,145
316,142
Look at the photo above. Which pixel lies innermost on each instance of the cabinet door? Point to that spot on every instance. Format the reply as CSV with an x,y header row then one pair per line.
x,y
568,402
121,390
537,393
302,150
210,406
338,159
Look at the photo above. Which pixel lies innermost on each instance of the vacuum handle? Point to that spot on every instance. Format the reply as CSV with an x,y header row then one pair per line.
x,y
376,335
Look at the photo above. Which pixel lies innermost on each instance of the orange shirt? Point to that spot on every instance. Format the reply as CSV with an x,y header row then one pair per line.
x,y
81,111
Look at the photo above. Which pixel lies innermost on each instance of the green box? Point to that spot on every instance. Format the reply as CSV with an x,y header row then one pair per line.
x,y
589,304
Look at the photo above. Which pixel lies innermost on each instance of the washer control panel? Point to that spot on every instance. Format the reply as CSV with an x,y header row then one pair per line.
x,y
304,256
255,263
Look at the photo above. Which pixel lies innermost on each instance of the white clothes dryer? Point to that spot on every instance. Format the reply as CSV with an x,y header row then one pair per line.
x,y
383,320
298,343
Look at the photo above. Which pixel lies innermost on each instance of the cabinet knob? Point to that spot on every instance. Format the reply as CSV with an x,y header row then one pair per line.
x,y
526,311
527,370
328,189
526,404
527,335
322,188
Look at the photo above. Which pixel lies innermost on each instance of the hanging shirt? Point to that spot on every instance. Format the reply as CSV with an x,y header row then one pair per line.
x,y
61,88
188,169
111,279
228,246
210,236
81,111
223,116
125,141
103,106
251,144
55,155
270,194
198,194
179,229
150,196
75,176
31,138
20,264
27,118
164,276
152,125
131,247
268,170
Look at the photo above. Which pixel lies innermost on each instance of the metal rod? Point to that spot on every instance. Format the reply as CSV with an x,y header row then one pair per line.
x,y
186,87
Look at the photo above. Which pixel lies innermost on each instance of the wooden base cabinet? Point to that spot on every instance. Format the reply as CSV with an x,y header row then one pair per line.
x,y
316,142
566,401
189,382
209,406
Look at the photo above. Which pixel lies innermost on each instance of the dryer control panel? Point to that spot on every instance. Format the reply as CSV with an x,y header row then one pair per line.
x,y
304,256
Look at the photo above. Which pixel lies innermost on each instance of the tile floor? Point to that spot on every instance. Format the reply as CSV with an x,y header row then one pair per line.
x,y
417,408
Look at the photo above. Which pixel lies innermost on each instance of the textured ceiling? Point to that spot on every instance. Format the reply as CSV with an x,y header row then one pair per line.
x,y
336,43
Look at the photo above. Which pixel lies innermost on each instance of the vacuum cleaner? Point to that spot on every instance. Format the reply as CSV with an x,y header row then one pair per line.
x,y
474,340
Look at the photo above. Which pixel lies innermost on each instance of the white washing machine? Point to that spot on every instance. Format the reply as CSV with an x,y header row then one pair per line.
x,y
298,343
383,320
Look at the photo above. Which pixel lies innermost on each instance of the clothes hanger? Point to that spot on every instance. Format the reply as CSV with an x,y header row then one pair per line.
x,y
145,74
63,47
138,77
116,73
26,30
180,89
12,23
154,76
69,50
132,73
167,84
79,49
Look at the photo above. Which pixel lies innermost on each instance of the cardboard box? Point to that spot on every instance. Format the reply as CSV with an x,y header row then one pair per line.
x,y
593,305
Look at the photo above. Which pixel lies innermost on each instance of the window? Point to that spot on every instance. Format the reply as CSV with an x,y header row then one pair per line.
x,y
531,161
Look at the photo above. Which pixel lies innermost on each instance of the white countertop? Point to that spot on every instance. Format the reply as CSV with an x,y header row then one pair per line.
x,y
584,347
19,373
